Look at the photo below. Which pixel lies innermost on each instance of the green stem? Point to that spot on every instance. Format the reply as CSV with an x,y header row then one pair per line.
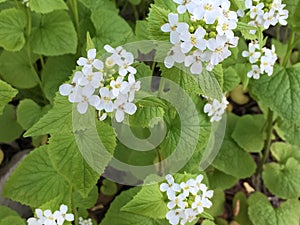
x,y
289,50
161,88
74,10
266,151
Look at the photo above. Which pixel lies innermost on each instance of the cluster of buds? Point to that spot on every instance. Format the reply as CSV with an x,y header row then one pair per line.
x,y
205,38
187,200
109,85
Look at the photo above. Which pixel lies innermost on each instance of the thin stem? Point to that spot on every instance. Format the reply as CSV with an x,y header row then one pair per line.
x,y
161,88
74,9
290,49
266,151
74,210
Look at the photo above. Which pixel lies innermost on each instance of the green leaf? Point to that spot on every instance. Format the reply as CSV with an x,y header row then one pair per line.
x,y
231,152
47,6
135,2
288,131
103,4
109,187
283,151
60,116
208,222
35,181
115,215
7,93
10,128
148,202
5,211
293,8
17,69
231,79
12,22
141,30
56,71
110,28
261,211
158,17
28,113
280,92
15,220
249,132
55,35
240,207
218,179
283,180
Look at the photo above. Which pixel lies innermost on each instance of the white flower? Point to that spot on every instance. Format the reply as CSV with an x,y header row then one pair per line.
x,y
248,4
26,3
225,28
256,10
85,222
186,5
174,55
219,50
134,86
173,216
252,53
190,40
122,106
187,187
177,201
189,216
208,10
266,65
126,68
50,218
106,97
200,203
118,86
172,27
63,215
33,221
195,61
269,19
94,79
282,16
66,89
170,187
90,62
255,72
216,109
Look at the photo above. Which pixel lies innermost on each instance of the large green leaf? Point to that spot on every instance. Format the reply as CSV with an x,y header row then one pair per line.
x,y
96,4
35,181
280,92
148,202
46,6
110,28
5,211
12,23
10,128
28,113
56,71
231,156
249,133
117,216
58,118
288,131
283,180
261,212
293,7
15,220
6,93
17,69
55,35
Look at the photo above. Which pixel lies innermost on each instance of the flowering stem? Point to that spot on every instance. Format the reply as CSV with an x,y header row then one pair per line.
x,y
266,151
290,49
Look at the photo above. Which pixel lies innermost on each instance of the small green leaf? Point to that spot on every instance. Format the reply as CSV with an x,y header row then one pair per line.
x,y
5,211
110,28
261,211
109,187
115,215
282,152
240,208
148,202
47,6
288,131
249,133
55,35
208,222
7,92
283,180
28,113
280,92
17,69
10,128
12,23
103,4
218,179
56,71
15,220
35,181
89,201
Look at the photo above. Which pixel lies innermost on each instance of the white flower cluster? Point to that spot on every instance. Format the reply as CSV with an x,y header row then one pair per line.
x,y
85,222
186,200
108,86
215,109
262,60
206,38
265,15
48,218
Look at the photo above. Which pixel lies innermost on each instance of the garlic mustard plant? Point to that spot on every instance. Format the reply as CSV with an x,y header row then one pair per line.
x,y
186,200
